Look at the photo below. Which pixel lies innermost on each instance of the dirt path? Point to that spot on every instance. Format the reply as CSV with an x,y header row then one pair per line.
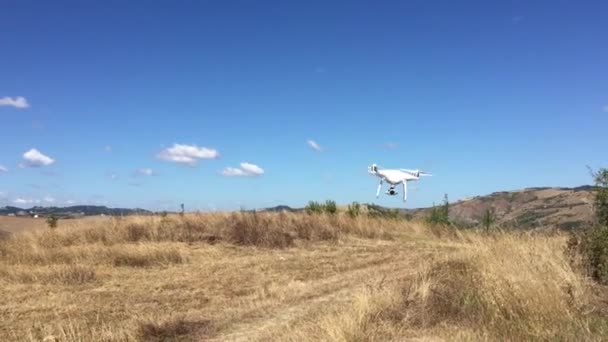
x,y
389,263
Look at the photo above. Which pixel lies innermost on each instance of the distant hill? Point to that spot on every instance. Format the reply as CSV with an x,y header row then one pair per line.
x,y
73,211
280,208
566,208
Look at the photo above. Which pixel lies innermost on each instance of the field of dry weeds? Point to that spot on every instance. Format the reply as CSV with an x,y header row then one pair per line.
x,y
290,277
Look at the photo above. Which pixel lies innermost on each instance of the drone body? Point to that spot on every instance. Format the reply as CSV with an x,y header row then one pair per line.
x,y
394,178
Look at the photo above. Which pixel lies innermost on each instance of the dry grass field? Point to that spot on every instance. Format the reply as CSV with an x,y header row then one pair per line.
x,y
290,277
13,224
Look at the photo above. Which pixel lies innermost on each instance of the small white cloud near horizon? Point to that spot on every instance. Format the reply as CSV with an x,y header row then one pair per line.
x,y
145,172
49,199
3,169
70,202
314,145
246,170
18,102
187,154
25,201
35,158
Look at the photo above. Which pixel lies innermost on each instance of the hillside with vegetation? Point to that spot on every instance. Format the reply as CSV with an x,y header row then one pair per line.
x,y
563,208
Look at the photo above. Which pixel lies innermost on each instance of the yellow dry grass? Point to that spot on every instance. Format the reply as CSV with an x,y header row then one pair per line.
x,y
289,277
13,224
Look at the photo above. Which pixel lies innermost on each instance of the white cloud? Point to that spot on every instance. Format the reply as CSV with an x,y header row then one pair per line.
x,y
187,154
17,102
144,172
34,158
24,201
313,144
252,169
3,169
70,202
49,199
246,170
233,172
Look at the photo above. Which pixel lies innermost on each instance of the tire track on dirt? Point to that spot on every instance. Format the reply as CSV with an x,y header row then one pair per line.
x,y
326,294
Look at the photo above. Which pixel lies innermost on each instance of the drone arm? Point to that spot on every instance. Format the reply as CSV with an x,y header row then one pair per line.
x,y
379,187
404,191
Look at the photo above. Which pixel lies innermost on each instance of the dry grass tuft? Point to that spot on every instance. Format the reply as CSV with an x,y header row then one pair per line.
x,y
70,275
448,292
176,330
145,257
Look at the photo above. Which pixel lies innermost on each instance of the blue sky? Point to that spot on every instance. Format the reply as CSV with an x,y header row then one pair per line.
x,y
147,103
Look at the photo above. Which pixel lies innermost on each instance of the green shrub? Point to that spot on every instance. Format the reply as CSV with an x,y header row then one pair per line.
x,y
488,219
330,207
354,209
601,196
314,207
595,253
439,215
51,221
594,243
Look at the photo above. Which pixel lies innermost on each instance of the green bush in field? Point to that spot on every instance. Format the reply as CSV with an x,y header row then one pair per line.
x,y
52,221
439,215
330,207
488,219
595,253
601,197
594,244
354,209
314,207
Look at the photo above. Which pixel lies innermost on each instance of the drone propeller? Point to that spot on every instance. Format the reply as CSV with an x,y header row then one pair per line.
x,y
416,173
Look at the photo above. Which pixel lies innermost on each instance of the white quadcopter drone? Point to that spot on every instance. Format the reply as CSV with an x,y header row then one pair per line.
x,y
395,177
